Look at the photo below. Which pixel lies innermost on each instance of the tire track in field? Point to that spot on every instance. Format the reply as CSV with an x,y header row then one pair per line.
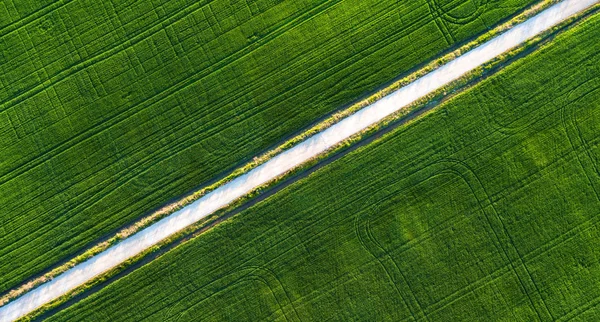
x,y
441,23
583,227
503,239
389,266
292,158
443,17
495,223
447,16
251,273
570,124
369,242
37,14
580,310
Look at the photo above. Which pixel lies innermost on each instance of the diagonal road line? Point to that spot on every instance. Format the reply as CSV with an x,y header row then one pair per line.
x,y
291,159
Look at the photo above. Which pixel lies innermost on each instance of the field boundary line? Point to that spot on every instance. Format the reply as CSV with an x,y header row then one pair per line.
x,y
335,135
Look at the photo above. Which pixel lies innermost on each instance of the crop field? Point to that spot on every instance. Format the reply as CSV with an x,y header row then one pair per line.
x,y
484,209
109,109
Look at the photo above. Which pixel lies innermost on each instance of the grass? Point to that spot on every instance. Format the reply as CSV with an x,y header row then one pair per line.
x,y
405,116
485,209
109,110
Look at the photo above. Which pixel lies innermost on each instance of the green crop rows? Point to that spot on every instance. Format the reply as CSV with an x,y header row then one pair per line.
x,y
486,209
109,109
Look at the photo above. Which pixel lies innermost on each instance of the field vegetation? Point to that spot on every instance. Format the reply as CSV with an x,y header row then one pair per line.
x,y
485,209
109,109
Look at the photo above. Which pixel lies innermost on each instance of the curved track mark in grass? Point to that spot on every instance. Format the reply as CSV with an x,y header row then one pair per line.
x,y
440,23
446,15
499,233
570,124
581,228
368,241
533,113
295,157
493,121
250,273
443,17
392,271
496,125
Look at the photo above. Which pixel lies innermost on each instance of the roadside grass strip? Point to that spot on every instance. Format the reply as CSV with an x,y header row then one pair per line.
x,y
290,159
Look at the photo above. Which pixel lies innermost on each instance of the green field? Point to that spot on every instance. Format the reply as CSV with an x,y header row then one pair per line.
x,y
485,209
109,109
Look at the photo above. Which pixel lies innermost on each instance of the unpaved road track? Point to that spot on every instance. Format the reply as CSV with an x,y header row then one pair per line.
x,y
290,159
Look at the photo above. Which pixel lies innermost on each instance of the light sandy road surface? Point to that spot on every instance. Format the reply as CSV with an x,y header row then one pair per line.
x,y
290,159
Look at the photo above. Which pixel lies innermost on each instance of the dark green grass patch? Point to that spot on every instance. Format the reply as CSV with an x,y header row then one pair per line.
x,y
108,109
485,209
